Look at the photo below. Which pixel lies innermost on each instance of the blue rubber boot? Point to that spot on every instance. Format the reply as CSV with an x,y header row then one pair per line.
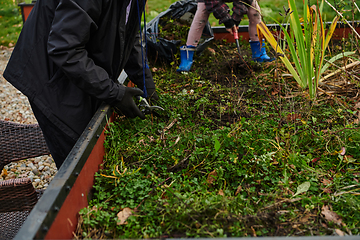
x,y
259,53
186,58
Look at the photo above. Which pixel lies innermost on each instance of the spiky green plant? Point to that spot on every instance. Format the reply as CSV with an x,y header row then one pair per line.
x,y
307,42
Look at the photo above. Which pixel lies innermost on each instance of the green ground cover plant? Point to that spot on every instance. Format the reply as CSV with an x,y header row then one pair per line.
x,y
240,150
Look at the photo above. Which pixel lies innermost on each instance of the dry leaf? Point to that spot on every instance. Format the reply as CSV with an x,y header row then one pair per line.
x,y
211,50
211,177
238,190
326,190
253,232
305,218
123,215
293,117
331,216
357,105
295,225
326,182
339,232
221,192
4,173
94,208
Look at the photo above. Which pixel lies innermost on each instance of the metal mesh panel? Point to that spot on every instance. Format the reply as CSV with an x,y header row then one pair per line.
x,y
20,141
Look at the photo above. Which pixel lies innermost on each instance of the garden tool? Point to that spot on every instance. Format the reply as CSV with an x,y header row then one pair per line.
x,y
186,58
259,52
145,107
236,36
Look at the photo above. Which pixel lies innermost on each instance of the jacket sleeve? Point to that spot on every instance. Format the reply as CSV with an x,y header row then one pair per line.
x,y
72,25
240,8
219,8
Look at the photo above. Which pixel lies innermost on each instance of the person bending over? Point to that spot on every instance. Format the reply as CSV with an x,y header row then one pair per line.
x,y
221,12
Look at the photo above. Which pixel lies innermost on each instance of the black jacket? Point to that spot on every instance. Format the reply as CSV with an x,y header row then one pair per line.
x,y
70,54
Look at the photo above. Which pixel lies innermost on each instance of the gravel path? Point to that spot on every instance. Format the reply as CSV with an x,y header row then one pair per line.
x,y
14,107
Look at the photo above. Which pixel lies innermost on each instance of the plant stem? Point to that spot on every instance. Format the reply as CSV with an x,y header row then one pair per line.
x,y
353,29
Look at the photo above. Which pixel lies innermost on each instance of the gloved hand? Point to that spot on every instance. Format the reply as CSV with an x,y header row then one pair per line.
x,y
231,25
127,104
151,93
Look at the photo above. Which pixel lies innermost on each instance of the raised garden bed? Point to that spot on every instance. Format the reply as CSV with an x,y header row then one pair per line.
x,y
239,151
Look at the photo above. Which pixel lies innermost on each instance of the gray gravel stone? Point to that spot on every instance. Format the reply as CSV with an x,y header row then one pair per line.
x,y
14,107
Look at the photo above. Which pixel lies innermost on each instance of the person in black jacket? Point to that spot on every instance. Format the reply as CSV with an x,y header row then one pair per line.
x,y
67,61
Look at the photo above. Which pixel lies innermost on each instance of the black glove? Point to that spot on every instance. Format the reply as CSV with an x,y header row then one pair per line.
x,y
151,94
127,104
229,23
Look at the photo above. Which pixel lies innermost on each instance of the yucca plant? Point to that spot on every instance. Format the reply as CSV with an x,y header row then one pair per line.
x,y
307,42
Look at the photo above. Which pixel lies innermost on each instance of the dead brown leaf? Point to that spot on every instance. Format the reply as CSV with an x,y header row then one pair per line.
x,y
357,105
331,216
253,232
274,92
211,50
238,190
326,190
326,181
123,215
339,232
305,218
293,117
221,192
4,173
211,177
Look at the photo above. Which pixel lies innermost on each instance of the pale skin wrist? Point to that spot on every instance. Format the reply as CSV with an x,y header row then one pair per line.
x,y
232,30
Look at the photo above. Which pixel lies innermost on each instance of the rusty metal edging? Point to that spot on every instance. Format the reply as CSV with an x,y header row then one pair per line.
x,y
45,211
244,28
342,30
26,9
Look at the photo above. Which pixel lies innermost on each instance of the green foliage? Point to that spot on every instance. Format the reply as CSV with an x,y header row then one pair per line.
x,y
10,23
212,165
307,42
